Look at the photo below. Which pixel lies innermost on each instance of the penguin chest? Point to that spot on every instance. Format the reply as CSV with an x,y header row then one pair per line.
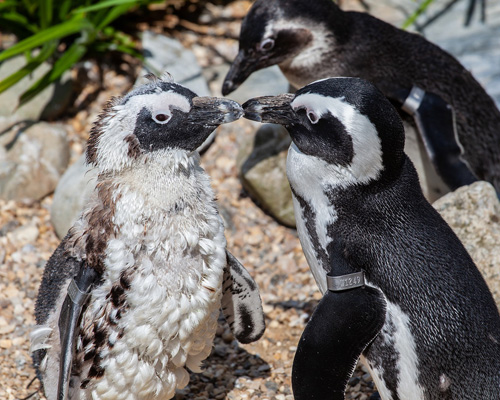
x,y
314,213
154,313
392,358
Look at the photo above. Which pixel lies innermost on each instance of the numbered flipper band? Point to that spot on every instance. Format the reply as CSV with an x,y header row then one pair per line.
x,y
435,120
345,282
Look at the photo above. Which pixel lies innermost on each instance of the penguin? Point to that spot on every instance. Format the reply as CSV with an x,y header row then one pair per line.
x,y
400,292
458,121
130,299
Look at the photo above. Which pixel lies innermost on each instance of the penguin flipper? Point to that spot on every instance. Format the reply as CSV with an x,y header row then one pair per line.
x,y
343,324
435,121
241,303
78,293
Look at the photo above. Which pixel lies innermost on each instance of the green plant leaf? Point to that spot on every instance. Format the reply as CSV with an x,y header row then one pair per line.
x,y
113,14
46,52
70,57
106,4
55,32
412,18
18,20
45,13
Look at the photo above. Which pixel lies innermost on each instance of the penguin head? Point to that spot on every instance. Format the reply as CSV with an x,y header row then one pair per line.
x,y
277,31
343,124
159,115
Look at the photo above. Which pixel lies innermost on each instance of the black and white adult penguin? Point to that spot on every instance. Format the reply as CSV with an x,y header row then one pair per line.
x,y
400,290
132,294
310,40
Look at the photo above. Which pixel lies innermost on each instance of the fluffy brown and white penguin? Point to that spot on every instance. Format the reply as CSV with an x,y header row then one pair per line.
x,y
131,296
458,121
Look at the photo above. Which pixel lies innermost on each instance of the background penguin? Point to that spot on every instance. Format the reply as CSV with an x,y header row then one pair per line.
x,y
131,296
400,290
458,121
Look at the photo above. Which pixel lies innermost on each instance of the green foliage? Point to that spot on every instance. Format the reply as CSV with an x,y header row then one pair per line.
x,y
421,8
62,32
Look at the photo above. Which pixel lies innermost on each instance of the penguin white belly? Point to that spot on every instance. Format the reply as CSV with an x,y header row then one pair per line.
x,y
313,211
156,310
315,264
396,341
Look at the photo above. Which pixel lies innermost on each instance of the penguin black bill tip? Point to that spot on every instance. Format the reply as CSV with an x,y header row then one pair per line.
x,y
270,109
215,111
228,87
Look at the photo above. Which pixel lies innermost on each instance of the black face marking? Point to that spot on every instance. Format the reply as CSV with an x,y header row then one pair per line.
x,y
327,138
177,133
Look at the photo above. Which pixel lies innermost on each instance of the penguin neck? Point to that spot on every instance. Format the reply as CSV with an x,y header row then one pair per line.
x,y
319,59
161,179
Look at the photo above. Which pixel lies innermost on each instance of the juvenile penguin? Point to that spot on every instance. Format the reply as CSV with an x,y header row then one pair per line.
x,y
131,296
400,290
458,121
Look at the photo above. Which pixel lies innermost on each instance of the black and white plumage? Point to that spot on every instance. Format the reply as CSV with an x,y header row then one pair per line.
x,y
132,295
458,121
425,322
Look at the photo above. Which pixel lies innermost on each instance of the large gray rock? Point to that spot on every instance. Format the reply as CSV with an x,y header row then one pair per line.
x,y
46,105
473,212
164,54
262,165
71,195
32,160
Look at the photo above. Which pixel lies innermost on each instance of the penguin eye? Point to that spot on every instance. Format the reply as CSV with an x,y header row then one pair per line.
x,y
161,117
313,117
266,44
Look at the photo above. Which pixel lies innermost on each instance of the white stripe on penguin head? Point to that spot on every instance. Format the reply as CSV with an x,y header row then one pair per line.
x,y
367,161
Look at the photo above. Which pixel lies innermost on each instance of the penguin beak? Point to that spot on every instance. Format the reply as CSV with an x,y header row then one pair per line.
x,y
214,111
271,109
240,70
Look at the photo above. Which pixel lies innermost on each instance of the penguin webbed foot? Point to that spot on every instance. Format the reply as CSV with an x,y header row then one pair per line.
x,y
71,310
342,326
241,303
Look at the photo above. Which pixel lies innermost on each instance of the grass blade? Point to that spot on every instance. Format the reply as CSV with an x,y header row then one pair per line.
x,y
106,4
412,18
45,13
70,57
55,32
46,52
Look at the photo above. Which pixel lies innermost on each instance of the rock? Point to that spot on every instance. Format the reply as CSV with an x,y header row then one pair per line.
x,y
47,105
164,54
32,159
262,166
473,212
71,195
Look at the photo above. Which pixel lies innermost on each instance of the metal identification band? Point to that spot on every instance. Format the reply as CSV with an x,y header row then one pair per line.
x,y
345,282
413,101
75,294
